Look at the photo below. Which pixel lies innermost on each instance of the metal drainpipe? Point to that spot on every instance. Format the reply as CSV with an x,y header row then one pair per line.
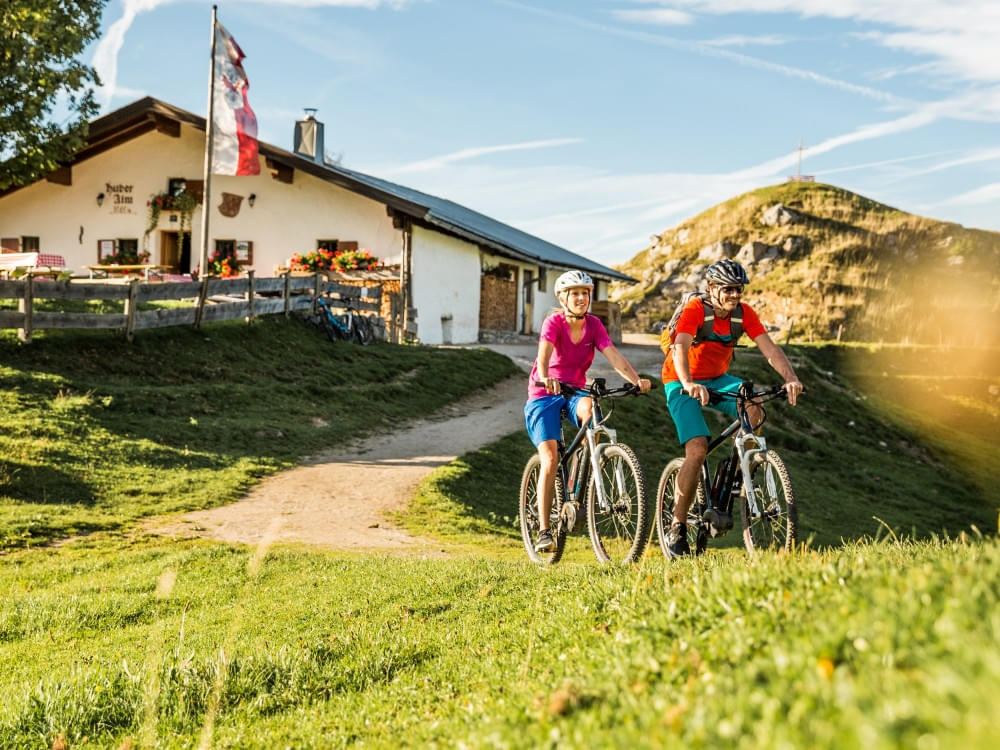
x,y
405,275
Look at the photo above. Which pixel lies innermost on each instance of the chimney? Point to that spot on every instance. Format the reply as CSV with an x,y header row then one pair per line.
x,y
308,138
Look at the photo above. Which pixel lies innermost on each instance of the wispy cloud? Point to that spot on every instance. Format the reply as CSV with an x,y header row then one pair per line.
x,y
436,162
984,194
105,59
713,51
742,40
659,16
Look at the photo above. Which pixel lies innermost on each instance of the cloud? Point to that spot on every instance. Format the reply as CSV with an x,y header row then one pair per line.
x,y
742,40
984,194
436,162
105,59
659,16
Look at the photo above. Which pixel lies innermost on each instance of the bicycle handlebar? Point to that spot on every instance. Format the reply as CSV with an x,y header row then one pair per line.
x,y
746,393
596,389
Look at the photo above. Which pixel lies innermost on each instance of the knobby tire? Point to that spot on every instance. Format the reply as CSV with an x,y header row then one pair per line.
x,y
528,514
618,533
666,491
778,525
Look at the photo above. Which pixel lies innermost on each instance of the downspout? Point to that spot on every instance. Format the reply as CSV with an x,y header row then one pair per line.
x,y
405,278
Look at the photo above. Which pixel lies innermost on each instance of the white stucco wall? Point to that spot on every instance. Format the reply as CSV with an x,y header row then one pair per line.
x,y
445,282
285,218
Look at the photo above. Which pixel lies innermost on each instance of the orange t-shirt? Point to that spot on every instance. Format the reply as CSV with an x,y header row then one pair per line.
x,y
711,357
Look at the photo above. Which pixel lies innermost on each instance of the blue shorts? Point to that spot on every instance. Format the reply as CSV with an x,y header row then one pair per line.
x,y
543,416
686,411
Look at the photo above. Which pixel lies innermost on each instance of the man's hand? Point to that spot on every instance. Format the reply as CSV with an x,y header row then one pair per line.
x,y
644,385
698,391
793,388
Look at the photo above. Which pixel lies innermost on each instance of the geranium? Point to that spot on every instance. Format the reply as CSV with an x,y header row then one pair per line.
x,y
333,260
224,265
126,257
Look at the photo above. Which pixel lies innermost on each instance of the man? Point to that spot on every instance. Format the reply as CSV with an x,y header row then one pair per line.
x,y
692,367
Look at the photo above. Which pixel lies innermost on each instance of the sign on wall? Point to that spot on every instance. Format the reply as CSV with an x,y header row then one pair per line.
x,y
121,197
105,248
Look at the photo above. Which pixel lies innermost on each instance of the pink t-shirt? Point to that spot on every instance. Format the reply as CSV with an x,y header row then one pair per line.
x,y
569,361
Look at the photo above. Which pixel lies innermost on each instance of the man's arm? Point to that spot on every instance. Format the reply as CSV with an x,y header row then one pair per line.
x,y
777,359
624,368
682,346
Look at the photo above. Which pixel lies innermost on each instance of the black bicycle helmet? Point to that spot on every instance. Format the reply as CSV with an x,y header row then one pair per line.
x,y
726,272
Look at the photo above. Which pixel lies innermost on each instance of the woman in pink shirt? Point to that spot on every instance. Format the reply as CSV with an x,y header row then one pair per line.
x,y
565,351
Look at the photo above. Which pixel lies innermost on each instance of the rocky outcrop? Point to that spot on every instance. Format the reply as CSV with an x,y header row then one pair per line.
x,y
779,215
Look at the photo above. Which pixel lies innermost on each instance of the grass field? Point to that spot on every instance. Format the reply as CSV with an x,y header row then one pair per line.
x,y
880,633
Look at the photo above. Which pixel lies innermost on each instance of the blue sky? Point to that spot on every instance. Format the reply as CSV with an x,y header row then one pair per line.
x,y
597,123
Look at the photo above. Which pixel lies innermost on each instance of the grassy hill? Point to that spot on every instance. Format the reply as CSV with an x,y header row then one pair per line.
x,y
840,264
881,632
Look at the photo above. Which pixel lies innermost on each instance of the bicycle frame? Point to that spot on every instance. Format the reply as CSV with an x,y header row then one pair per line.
x,y
720,496
590,432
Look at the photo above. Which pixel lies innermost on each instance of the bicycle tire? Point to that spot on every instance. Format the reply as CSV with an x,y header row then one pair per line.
x,y
777,526
366,331
666,491
620,532
527,513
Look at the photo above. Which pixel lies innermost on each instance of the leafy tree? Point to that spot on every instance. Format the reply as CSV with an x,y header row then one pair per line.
x,y
39,43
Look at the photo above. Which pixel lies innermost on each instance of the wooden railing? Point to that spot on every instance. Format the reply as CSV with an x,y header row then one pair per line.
x,y
213,299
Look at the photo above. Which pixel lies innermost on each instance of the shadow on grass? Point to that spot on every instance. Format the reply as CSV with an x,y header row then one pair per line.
x,y
43,485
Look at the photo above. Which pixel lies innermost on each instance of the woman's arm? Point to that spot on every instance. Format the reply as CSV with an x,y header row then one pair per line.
x,y
545,349
624,368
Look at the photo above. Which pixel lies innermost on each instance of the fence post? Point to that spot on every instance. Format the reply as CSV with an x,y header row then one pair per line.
x,y
133,288
316,290
202,296
26,305
288,291
250,296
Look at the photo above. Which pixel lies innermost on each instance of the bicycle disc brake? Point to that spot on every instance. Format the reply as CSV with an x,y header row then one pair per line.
x,y
568,514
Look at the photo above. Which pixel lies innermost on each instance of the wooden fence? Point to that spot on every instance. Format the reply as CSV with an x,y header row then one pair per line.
x,y
213,299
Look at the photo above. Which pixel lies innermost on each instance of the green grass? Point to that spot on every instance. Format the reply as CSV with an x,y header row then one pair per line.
x,y
96,433
118,639
876,644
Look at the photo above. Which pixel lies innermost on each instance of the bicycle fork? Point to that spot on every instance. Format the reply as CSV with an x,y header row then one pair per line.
x,y
747,458
596,451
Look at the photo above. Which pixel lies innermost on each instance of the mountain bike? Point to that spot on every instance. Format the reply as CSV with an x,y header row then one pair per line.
x,y
596,476
351,326
751,475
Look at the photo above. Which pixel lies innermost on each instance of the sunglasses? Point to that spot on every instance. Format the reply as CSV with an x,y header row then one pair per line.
x,y
737,289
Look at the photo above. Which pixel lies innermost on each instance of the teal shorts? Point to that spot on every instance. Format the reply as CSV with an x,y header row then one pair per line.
x,y
686,411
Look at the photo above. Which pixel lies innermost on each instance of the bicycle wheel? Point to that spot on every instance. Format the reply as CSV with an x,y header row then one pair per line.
x,y
775,522
619,531
527,512
666,492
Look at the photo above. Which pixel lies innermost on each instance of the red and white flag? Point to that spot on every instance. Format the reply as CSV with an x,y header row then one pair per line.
x,y
234,138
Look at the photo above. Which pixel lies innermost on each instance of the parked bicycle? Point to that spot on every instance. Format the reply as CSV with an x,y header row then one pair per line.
x,y
596,475
351,326
751,474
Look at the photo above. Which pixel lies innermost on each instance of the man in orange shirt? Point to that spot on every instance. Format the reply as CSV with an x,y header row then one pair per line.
x,y
691,368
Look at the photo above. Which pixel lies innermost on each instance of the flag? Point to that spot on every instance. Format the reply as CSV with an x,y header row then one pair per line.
x,y
234,139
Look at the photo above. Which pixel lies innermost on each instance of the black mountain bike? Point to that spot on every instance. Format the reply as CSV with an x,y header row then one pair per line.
x,y
351,326
751,475
596,475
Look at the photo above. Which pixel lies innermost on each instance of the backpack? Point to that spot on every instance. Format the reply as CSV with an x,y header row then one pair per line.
x,y
735,321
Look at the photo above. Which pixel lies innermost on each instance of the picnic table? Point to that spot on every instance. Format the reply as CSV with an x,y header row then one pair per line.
x,y
136,269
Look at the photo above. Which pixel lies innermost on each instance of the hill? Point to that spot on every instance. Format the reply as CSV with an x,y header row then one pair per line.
x,y
827,263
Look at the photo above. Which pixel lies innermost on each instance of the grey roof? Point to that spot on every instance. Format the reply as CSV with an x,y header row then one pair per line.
x,y
478,227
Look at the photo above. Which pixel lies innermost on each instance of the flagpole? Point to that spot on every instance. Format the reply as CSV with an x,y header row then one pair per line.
x,y
209,133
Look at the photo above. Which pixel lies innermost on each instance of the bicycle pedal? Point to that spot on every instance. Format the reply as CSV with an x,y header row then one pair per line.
x,y
718,521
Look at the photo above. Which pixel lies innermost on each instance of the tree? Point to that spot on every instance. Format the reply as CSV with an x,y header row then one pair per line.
x,y
39,43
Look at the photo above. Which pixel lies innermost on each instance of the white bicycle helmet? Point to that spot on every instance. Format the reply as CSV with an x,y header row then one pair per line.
x,y
572,279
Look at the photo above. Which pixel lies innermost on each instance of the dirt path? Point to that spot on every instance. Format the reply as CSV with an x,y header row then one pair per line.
x,y
341,499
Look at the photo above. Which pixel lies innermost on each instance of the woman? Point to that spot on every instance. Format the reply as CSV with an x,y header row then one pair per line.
x,y
565,351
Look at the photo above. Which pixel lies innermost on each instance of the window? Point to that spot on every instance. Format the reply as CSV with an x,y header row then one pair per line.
x,y
29,244
176,185
128,246
225,248
326,244
121,250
